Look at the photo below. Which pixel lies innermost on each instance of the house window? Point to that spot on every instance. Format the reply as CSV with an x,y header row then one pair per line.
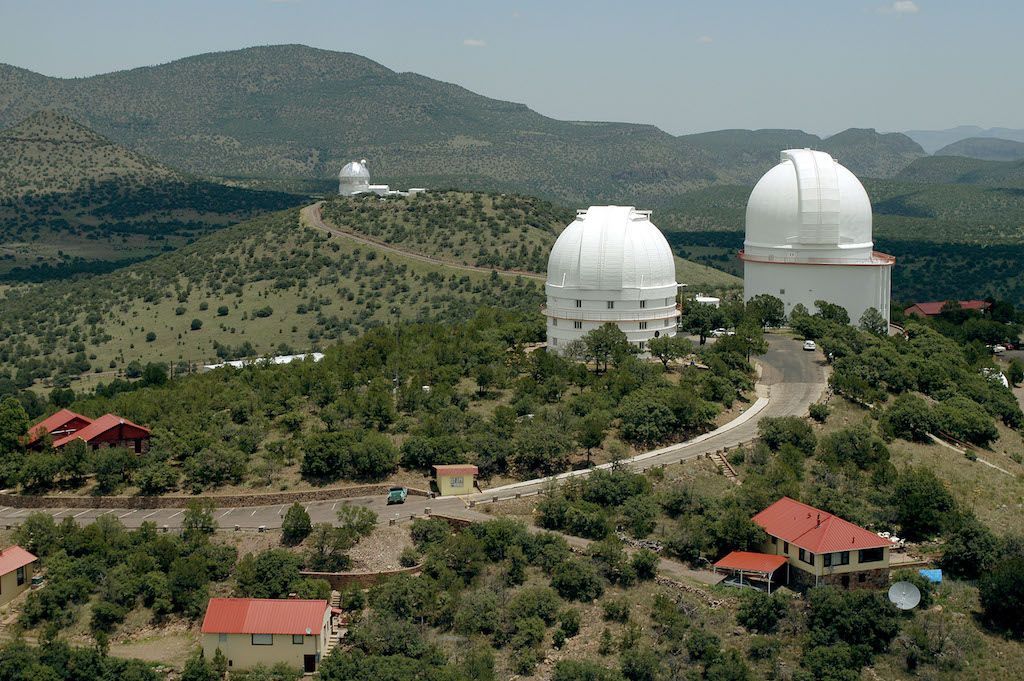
x,y
21,575
775,541
611,304
577,325
222,638
456,481
643,345
840,558
298,639
579,303
870,555
643,304
643,325
861,578
263,639
807,557
785,547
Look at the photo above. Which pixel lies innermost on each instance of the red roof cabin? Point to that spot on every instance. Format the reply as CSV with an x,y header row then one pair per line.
x,y
934,309
16,567
267,631
822,547
107,431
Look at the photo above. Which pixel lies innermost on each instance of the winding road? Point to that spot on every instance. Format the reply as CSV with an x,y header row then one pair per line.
x,y
791,380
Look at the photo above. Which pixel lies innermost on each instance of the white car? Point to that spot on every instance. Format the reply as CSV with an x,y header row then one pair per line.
x,y
998,349
719,333
810,345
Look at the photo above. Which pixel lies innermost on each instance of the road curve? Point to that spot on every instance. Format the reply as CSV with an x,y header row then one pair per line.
x,y
791,380
311,216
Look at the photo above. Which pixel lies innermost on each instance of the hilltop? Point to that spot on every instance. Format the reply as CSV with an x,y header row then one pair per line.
x,y
72,200
963,170
290,111
274,284
985,148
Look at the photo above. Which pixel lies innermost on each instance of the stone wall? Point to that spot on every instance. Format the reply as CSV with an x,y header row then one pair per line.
x,y
340,580
873,579
230,500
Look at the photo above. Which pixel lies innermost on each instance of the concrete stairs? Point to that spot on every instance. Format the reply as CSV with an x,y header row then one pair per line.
x,y
718,458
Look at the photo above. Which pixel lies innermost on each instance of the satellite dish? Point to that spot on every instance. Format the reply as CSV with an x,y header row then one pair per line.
x,y
904,595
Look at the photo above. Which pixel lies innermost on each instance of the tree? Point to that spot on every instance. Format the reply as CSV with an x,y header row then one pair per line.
x,y
1001,591
922,503
965,419
198,522
639,515
269,574
831,312
909,417
760,612
667,348
360,521
1015,374
296,525
872,321
13,425
577,580
607,343
112,467
199,669
700,319
327,547
767,310
792,430
970,550
591,430
196,324
647,417
583,670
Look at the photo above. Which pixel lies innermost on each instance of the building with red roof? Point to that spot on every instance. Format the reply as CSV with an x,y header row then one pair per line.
x,y
16,568
252,631
454,479
108,430
824,548
934,309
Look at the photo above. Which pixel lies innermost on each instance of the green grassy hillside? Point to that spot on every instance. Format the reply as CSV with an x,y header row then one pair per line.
x,y
291,111
72,200
962,170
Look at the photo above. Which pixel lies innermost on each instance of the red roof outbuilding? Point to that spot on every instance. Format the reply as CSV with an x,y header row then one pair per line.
x,y
264,616
456,469
815,530
747,561
14,557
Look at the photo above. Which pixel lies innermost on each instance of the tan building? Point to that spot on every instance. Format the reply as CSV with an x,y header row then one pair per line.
x,y
821,548
455,479
252,631
16,568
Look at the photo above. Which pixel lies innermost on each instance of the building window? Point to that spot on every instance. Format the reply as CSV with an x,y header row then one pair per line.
x,y
554,321
298,639
782,291
554,342
611,304
870,555
643,304
222,638
668,322
840,558
807,557
643,325
579,303
861,578
21,575
785,547
263,639
456,481
643,345
775,541
577,325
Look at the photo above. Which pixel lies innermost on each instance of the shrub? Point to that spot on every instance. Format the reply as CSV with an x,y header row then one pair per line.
x,y
763,648
910,418
966,420
196,324
296,525
819,412
640,664
856,446
923,505
150,336
791,430
577,580
410,557
222,311
1001,590
616,609
645,564
583,670
760,612
569,621
970,549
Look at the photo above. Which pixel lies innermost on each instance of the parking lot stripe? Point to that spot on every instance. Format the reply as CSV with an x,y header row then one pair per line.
x,y
176,514
149,514
128,513
225,513
81,513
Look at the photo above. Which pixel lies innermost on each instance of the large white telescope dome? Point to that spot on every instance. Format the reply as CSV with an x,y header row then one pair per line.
x,y
354,178
611,265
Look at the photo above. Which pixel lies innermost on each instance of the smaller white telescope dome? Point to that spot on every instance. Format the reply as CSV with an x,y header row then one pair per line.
x,y
354,178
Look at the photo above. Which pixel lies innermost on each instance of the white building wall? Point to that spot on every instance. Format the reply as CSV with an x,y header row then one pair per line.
x,y
854,287
640,314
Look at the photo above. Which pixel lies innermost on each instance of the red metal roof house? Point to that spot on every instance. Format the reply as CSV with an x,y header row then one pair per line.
x,y
934,309
107,431
251,631
16,567
824,548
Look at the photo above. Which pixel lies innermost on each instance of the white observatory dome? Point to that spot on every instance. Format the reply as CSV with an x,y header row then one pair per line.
x,y
809,202
354,178
611,265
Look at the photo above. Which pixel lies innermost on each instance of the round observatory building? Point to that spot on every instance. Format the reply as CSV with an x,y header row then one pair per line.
x,y
354,178
808,238
610,265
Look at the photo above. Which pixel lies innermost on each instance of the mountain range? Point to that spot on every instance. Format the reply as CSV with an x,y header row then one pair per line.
x,y
291,111
934,140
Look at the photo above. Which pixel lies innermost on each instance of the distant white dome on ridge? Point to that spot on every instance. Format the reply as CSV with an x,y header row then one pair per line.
x,y
355,169
354,178
809,201
611,248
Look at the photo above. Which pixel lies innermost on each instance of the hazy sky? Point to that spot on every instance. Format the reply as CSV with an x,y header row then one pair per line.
x,y
683,66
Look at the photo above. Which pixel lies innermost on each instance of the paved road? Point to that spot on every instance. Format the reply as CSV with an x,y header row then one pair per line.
x,y
791,380
312,217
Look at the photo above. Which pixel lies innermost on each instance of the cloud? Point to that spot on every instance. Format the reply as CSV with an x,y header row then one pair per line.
x,y
901,7
705,40
474,42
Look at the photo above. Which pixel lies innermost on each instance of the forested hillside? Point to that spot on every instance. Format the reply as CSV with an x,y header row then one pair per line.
x,y
985,148
72,200
291,111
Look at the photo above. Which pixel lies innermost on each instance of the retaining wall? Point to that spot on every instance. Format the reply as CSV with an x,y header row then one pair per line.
x,y
340,580
225,501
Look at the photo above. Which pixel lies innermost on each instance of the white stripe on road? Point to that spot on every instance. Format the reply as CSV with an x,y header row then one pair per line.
x,y
81,513
127,514
176,514
253,512
18,513
225,513
149,514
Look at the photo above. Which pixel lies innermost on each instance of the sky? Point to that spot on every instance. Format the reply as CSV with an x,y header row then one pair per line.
x,y
681,65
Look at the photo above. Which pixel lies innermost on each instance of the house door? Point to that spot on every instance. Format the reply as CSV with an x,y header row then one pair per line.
x,y
309,663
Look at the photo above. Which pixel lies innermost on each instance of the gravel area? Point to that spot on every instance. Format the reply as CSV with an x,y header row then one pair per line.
x,y
381,550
